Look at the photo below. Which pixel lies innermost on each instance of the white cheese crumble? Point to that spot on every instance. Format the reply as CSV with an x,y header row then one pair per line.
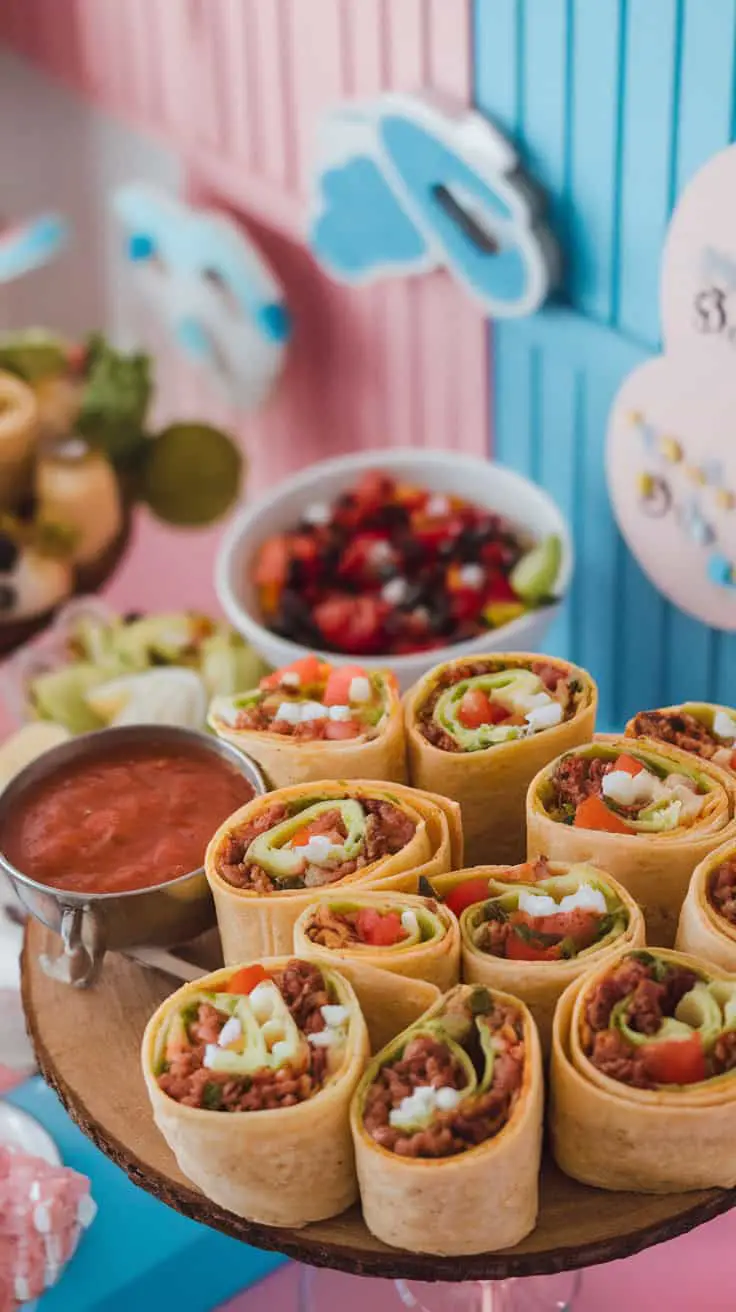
x,y
419,1105
327,1038
291,679
395,591
281,1050
724,726
360,689
317,513
261,1000
317,849
289,711
380,553
210,1054
544,717
472,575
334,1015
437,505
42,1218
585,898
227,711
230,1032
340,713
409,921
313,711
537,904
628,789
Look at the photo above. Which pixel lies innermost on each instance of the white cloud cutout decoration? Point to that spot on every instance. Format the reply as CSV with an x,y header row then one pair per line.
x,y
671,449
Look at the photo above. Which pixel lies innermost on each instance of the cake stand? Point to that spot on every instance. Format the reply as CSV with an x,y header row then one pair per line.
x,y
87,1044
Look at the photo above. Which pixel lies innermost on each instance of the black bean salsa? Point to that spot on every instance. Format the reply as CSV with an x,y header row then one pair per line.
x,y
390,568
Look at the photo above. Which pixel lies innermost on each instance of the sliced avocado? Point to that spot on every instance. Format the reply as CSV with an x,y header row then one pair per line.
x,y
669,1029
61,696
659,818
700,1010
506,687
270,1038
489,1055
281,862
534,576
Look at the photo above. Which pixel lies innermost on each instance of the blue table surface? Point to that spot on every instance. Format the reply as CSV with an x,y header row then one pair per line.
x,y
138,1254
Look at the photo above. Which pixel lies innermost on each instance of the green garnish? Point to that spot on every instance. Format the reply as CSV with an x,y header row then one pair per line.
x,y
494,911
480,1002
115,402
212,1097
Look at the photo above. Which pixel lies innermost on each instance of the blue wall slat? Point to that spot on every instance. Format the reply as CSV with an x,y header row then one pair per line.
x,y
724,681
512,363
594,156
614,104
708,59
543,123
496,29
648,127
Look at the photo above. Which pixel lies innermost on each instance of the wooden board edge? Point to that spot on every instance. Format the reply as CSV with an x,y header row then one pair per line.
x,y
342,1257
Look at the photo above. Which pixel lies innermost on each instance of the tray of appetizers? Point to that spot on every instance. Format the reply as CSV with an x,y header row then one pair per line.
x,y
461,1003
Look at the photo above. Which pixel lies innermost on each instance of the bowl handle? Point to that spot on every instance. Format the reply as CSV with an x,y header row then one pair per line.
x,y
83,942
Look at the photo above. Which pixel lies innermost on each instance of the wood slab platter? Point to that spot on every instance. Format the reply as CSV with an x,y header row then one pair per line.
x,y
87,1045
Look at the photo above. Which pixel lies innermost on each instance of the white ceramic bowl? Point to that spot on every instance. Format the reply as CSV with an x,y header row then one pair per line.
x,y
481,481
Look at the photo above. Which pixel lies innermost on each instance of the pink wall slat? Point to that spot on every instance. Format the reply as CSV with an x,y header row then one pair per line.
x,y
238,87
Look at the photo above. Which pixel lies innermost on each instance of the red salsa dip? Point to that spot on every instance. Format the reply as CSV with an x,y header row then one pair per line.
x,y
127,819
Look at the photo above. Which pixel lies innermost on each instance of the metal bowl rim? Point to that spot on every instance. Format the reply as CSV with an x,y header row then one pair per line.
x,y
193,737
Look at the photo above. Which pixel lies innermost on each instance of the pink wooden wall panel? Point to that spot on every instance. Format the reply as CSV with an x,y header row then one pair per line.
x,y
237,86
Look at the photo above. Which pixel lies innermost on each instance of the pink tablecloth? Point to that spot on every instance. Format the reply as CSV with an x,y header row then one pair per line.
x,y
696,1273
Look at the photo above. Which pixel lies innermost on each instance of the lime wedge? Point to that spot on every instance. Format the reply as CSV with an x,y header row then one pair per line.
x,y
534,576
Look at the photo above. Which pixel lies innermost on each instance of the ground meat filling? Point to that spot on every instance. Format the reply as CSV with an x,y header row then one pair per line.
x,y
654,990
428,1061
679,729
555,681
387,831
190,1083
575,778
260,717
573,930
722,890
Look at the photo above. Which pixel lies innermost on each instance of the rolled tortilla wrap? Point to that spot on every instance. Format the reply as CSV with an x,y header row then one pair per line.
x,y
224,1098
703,728
267,862
707,925
411,936
532,938
644,811
313,721
664,1020
389,1002
452,1166
526,709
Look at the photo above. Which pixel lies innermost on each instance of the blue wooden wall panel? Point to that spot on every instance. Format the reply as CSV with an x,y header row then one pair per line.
x,y
597,33
614,105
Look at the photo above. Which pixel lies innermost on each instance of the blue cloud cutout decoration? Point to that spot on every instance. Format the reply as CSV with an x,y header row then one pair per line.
x,y
362,225
402,189
30,245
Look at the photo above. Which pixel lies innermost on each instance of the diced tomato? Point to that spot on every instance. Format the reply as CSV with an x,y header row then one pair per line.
x,y
352,624
310,669
498,589
476,708
517,949
374,489
302,836
592,813
272,564
245,979
360,560
676,1061
335,730
380,931
466,895
628,764
337,692
579,925
432,530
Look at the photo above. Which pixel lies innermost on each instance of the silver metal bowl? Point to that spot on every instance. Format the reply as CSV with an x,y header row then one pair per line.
x,y
91,923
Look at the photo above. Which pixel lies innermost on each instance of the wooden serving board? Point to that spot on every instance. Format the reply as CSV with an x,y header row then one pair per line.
x,y
87,1044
